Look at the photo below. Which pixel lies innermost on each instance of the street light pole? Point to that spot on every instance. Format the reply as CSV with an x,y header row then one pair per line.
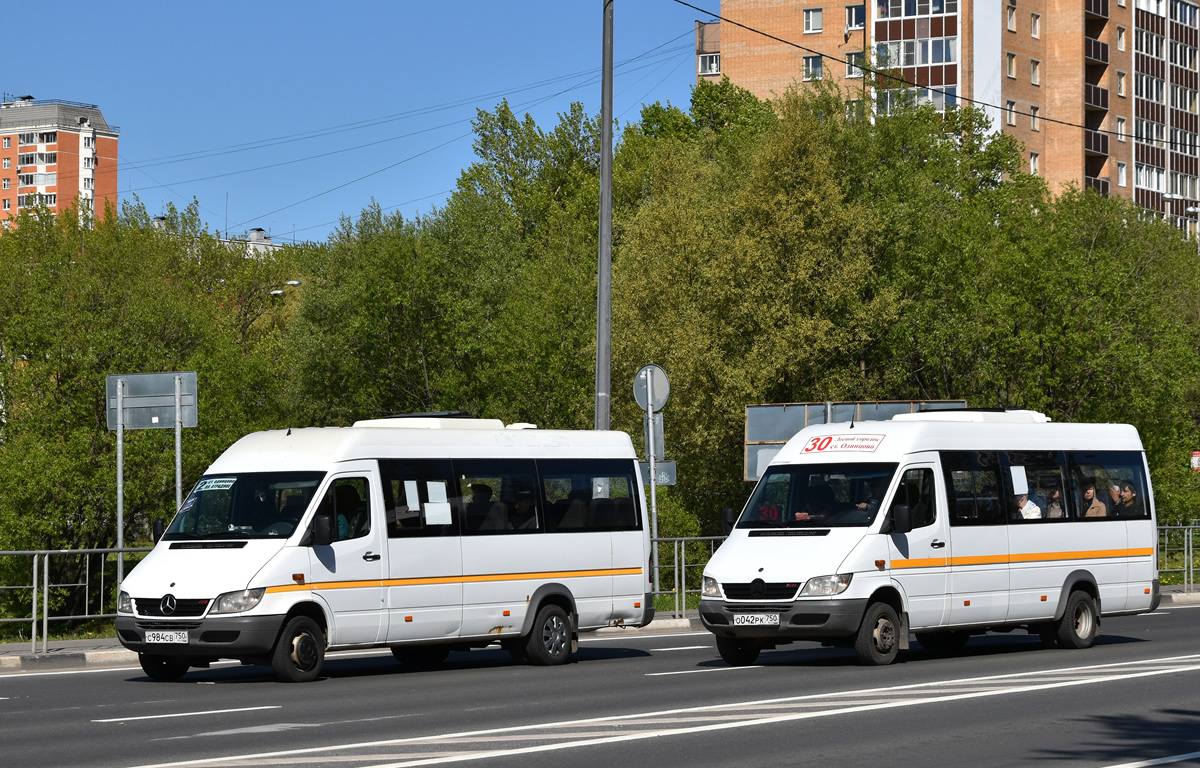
x,y
604,269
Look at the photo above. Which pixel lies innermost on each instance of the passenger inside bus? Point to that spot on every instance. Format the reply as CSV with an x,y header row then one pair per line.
x,y
1092,505
1130,504
1026,509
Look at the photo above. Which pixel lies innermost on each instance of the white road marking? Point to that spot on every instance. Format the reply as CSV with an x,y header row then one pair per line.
x,y
893,697
681,648
187,714
706,669
1159,761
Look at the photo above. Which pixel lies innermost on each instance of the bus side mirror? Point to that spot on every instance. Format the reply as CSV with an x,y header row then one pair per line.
x,y
901,519
322,531
159,528
728,518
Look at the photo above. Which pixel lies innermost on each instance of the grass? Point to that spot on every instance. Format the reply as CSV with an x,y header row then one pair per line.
x,y
96,629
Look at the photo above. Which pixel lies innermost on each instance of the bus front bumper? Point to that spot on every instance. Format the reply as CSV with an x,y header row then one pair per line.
x,y
799,620
228,637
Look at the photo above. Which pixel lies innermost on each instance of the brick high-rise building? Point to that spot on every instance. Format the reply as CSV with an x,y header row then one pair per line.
x,y
1121,75
55,151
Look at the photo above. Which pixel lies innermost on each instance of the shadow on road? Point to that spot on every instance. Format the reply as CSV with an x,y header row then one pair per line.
x,y
1127,738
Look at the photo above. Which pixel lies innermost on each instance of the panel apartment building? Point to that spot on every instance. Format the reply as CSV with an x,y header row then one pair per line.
x,y
1121,75
55,151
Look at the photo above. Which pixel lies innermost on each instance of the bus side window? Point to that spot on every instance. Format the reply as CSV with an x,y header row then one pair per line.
x,y
416,496
589,495
973,485
498,496
1111,484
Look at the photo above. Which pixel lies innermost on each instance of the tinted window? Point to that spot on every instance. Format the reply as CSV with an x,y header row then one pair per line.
x,y
916,490
1110,484
1036,486
348,502
589,495
417,496
497,496
973,487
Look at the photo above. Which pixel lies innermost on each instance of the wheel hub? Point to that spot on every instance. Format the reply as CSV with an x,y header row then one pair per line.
x,y
884,635
304,650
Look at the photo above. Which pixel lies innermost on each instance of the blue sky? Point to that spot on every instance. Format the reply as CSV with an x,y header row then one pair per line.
x,y
207,94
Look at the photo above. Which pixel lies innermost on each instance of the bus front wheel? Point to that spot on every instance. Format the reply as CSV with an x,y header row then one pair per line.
x,y
162,669
737,652
299,651
878,639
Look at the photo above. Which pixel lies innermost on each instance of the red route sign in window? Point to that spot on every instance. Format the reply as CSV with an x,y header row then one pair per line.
x,y
860,443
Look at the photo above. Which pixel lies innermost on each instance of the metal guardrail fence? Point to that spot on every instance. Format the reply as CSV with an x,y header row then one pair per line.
x,y
44,585
680,570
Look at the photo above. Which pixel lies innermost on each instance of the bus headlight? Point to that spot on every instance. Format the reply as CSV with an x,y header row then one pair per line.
x,y
236,602
711,587
124,604
827,585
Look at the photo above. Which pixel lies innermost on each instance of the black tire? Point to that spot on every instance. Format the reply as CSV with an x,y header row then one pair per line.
x,y
1080,622
516,649
945,640
423,656
1047,633
163,669
299,652
737,651
878,638
549,642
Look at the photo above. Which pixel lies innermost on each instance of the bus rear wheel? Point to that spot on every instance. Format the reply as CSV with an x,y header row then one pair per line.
x,y
1080,622
549,642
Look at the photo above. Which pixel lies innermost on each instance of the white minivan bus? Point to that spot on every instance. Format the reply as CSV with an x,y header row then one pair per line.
x,y
424,535
944,524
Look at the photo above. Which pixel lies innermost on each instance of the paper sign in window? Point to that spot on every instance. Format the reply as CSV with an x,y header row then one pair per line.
x,y
437,509
1019,481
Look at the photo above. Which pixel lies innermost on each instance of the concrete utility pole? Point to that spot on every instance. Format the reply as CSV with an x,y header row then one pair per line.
x,y
604,276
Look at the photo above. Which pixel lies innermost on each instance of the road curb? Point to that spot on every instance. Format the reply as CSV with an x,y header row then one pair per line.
x,y
1177,598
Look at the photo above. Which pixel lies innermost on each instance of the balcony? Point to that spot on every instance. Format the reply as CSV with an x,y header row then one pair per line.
x,y
1098,183
1095,97
1095,51
1097,9
1095,143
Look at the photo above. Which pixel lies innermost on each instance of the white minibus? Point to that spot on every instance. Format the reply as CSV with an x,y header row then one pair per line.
x,y
424,535
945,524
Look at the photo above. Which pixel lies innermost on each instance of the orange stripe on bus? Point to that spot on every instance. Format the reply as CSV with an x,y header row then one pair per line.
x,y
472,579
1031,557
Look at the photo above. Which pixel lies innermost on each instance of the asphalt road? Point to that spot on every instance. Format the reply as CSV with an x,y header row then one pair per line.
x,y
661,699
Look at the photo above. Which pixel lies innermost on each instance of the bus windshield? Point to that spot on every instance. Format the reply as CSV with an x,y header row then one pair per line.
x,y
818,496
245,506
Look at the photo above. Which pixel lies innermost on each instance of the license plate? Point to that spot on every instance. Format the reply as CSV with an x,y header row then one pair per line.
x,y
177,637
756,619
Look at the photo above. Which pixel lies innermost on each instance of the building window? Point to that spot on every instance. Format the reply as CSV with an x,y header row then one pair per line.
x,y
812,67
26,138
1010,64
7,182
854,64
1120,38
88,182
1012,18
710,64
1121,84
1035,25
812,20
1033,163
87,140
8,142
1120,129
1010,113
7,162
7,204
856,17
1033,119
1035,71
1122,175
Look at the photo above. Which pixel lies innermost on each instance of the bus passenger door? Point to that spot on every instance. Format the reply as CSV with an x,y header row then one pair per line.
x,y
921,558
348,573
423,583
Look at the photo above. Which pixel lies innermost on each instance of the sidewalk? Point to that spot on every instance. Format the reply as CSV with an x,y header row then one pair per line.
x,y
108,652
